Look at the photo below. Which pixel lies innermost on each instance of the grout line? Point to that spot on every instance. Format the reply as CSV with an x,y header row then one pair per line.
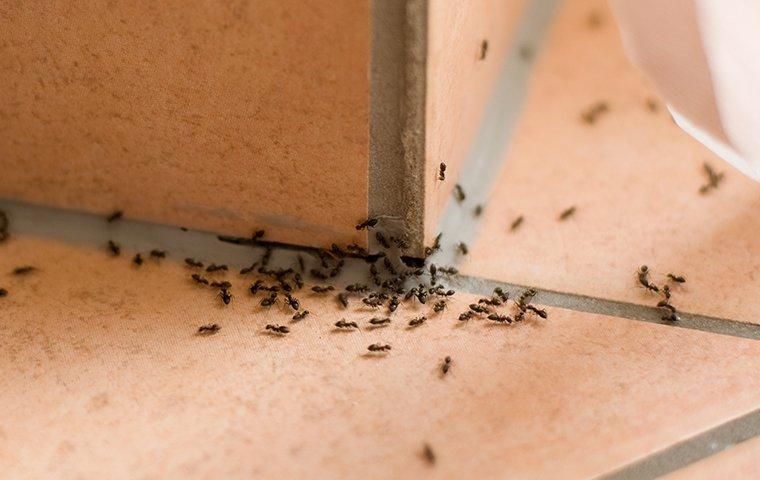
x,y
91,230
613,308
691,450
489,147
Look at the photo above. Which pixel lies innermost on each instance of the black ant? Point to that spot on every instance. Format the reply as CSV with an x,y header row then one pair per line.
x,y
343,299
446,365
225,295
592,113
378,347
500,318
368,223
713,179
137,260
677,278
322,289
193,263
344,324
501,294
223,284
249,269
280,329
478,210
23,270
114,216
430,250
442,171
393,304
157,254
114,248
567,213
417,321
643,275
357,288
292,301
3,292
462,247
298,281
439,306
269,301
478,308
215,268
209,329
483,49
377,321
516,223
199,279
463,317
459,194
300,315
541,313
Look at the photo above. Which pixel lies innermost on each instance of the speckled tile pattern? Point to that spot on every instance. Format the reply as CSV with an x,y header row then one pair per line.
x,y
633,177
104,377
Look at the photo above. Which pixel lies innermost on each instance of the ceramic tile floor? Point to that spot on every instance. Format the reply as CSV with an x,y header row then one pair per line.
x,y
633,176
104,377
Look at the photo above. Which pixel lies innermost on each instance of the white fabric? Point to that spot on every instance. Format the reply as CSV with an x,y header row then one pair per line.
x,y
704,57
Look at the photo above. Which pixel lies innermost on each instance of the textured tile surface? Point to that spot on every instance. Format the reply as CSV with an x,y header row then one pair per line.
x,y
634,177
104,377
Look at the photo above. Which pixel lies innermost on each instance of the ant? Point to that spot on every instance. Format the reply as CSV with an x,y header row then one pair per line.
x,y
567,213
516,223
344,324
378,347
463,317
209,329
225,295
442,171
541,313
137,260
280,329
292,301
501,294
677,278
591,114
298,281
23,270
343,299
249,269
393,304
215,268
478,308
367,224
483,49
500,318
357,288
199,279
462,247
417,321
322,289
269,301
224,284
459,193
446,365
114,248
300,315
478,210
377,322
114,216
193,263
3,292
713,179
643,274
436,246
439,306
157,254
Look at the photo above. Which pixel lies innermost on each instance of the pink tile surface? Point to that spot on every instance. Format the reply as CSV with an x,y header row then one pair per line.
x,y
739,462
634,177
103,378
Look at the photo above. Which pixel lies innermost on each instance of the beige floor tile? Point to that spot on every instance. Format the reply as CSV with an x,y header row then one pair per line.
x,y
739,462
104,378
634,177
